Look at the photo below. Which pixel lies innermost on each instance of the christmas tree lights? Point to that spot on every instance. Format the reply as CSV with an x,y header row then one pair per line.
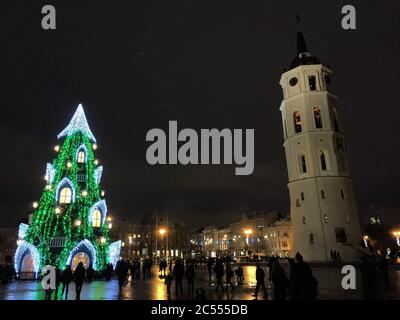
x,y
72,194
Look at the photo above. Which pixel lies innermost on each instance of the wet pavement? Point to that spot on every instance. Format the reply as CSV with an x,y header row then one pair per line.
x,y
154,288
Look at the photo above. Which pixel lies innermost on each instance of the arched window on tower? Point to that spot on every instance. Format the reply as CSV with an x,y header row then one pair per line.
x,y
65,195
317,117
81,156
96,218
297,122
322,157
302,163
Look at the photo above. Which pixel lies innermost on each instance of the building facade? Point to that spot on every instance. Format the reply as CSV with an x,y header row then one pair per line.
x,y
322,202
252,234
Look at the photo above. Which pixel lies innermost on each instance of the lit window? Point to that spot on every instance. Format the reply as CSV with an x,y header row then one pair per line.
x,y
81,157
325,218
65,196
297,122
317,118
96,218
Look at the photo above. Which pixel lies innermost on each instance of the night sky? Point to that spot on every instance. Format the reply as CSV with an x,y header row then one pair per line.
x,y
135,65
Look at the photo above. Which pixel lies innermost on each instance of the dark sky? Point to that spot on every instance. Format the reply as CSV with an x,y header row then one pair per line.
x,y
135,65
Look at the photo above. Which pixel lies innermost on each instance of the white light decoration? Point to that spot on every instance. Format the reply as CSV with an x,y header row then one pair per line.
x,y
78,248
35,205
96,162
69,164
102,206
23,228
102,240
57,210
97,174
48,187
103,193
56,148
63,183
115,251
78,123
77,222
22,249
109,225
82,147
94,146
84,193
50,172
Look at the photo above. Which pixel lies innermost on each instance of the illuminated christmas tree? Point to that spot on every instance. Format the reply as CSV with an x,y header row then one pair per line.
x,y
70,222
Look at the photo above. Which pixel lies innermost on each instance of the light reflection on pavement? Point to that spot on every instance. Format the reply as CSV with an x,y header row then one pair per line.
x,y
154,288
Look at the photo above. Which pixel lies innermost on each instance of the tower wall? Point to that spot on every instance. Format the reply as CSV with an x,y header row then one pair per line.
x,y
322,201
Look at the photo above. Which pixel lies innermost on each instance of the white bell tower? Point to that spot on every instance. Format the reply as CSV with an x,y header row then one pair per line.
x,y
322,203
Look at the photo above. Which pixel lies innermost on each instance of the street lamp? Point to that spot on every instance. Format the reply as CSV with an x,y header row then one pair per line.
x,y
162,231
365,238
397,235
247,232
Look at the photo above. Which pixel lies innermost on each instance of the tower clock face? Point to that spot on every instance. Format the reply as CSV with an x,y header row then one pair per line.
x,y
293,81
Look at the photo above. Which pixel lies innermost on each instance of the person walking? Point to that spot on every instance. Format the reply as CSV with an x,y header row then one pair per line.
x,y
229,275
58,281
190,274
279,281
122,272
219,273
66,278
79,277
260,277
209,268
177,274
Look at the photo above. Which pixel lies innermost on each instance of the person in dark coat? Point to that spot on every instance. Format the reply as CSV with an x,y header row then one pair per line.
x,y
369,278
90,274
279,281
58,282
66,278
190,274
209,268
291,278
270,263
79,277
229,275
304,283
178,273
122,272
260,277
219,274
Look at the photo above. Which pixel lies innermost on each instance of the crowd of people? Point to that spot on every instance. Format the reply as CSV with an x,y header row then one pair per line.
x,y
294,282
